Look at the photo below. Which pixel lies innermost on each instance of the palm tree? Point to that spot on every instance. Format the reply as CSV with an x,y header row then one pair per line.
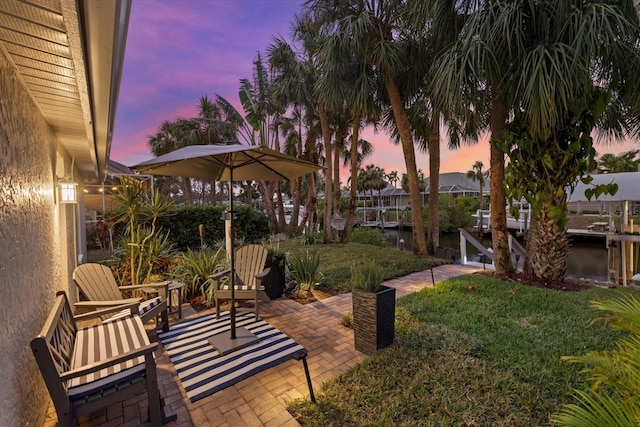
x,y
441,22
170,137
294,74
215,124
341,121
477,174
538,60
264,106
625,162
601,40
422,182
347,86
377,182
369,34
474,72
393,178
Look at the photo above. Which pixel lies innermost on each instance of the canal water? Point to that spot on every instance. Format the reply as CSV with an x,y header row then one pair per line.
x,y
587,259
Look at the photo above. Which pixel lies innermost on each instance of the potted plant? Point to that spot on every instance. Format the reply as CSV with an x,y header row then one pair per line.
x,y
374,307
274,281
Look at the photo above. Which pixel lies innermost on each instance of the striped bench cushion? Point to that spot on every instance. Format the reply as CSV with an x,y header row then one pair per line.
x,y
100,342
144,307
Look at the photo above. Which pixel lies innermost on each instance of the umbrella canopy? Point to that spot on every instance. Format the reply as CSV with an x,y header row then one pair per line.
x,y
248,162
229,162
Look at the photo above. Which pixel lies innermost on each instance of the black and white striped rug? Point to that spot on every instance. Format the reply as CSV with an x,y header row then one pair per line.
x,y
200,367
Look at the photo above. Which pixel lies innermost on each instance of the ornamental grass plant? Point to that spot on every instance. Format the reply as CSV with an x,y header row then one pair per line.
x,y
305,270
366,275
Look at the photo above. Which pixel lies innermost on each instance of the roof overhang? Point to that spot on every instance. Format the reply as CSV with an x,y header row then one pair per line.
x,y
69,54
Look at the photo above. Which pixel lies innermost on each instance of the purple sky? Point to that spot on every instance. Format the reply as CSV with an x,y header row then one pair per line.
x,y
180,50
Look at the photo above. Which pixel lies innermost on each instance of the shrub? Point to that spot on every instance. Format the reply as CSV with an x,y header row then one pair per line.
x,y
368,236
276,256
250,225
455,212
305,270
347,320
156,260
310,237
195,267
612,398
367,276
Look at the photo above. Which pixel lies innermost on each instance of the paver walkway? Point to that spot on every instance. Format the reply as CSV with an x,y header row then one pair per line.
x,y
261,400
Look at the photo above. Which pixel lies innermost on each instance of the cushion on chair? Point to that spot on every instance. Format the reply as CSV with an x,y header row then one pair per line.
x,y
144,307
239,287
99,342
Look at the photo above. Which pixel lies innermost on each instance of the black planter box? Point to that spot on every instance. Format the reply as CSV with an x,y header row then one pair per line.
x,y
274,280
373,319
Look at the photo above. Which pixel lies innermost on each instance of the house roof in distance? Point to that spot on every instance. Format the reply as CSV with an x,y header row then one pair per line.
x,y
628,187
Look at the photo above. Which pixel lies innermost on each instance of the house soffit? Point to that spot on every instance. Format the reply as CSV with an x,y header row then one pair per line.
x,y
68,55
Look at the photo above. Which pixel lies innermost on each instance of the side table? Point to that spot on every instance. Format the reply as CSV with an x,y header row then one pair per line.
x,y
177,287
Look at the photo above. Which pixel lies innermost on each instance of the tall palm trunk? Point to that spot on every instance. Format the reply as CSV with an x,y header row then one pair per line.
x,y
481,205
280,225
499,231
433,229
337,149
266,191
328,182
340,137
312,199
188,191
250,194
547,247
353,188
213,192
408,150
296,191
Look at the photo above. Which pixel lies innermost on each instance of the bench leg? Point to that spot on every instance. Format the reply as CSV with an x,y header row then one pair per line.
x,y
306,372
167,418
302,355
433,281
164,418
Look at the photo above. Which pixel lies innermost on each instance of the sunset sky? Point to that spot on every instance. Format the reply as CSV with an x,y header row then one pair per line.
x,y
180,50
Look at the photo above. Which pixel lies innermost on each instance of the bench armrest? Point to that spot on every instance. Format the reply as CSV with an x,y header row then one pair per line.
x,y
133,307
112,361
161,287
219,274
97,304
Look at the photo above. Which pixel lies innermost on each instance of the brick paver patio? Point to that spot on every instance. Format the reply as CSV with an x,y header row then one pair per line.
x,y
261,400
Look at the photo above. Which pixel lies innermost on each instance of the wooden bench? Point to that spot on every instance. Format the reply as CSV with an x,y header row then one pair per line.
x,y
88,368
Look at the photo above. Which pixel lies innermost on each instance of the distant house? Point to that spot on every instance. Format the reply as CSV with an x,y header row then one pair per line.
x,y
454,183
628,191
60,68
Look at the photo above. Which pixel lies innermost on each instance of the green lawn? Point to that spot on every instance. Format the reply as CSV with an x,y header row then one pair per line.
x,y
336,260
473,351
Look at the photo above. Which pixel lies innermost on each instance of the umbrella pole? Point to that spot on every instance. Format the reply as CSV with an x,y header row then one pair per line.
x,y
240,337
232,258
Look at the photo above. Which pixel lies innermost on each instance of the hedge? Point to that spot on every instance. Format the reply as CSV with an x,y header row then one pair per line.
x,y
183,222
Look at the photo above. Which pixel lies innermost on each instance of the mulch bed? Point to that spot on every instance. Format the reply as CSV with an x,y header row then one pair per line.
x,y
568,284
317,294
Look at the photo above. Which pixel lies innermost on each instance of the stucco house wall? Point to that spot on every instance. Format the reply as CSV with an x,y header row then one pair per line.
x,y
35,261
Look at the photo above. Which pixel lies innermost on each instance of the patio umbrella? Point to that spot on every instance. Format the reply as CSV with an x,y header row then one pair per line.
x,y
228,162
